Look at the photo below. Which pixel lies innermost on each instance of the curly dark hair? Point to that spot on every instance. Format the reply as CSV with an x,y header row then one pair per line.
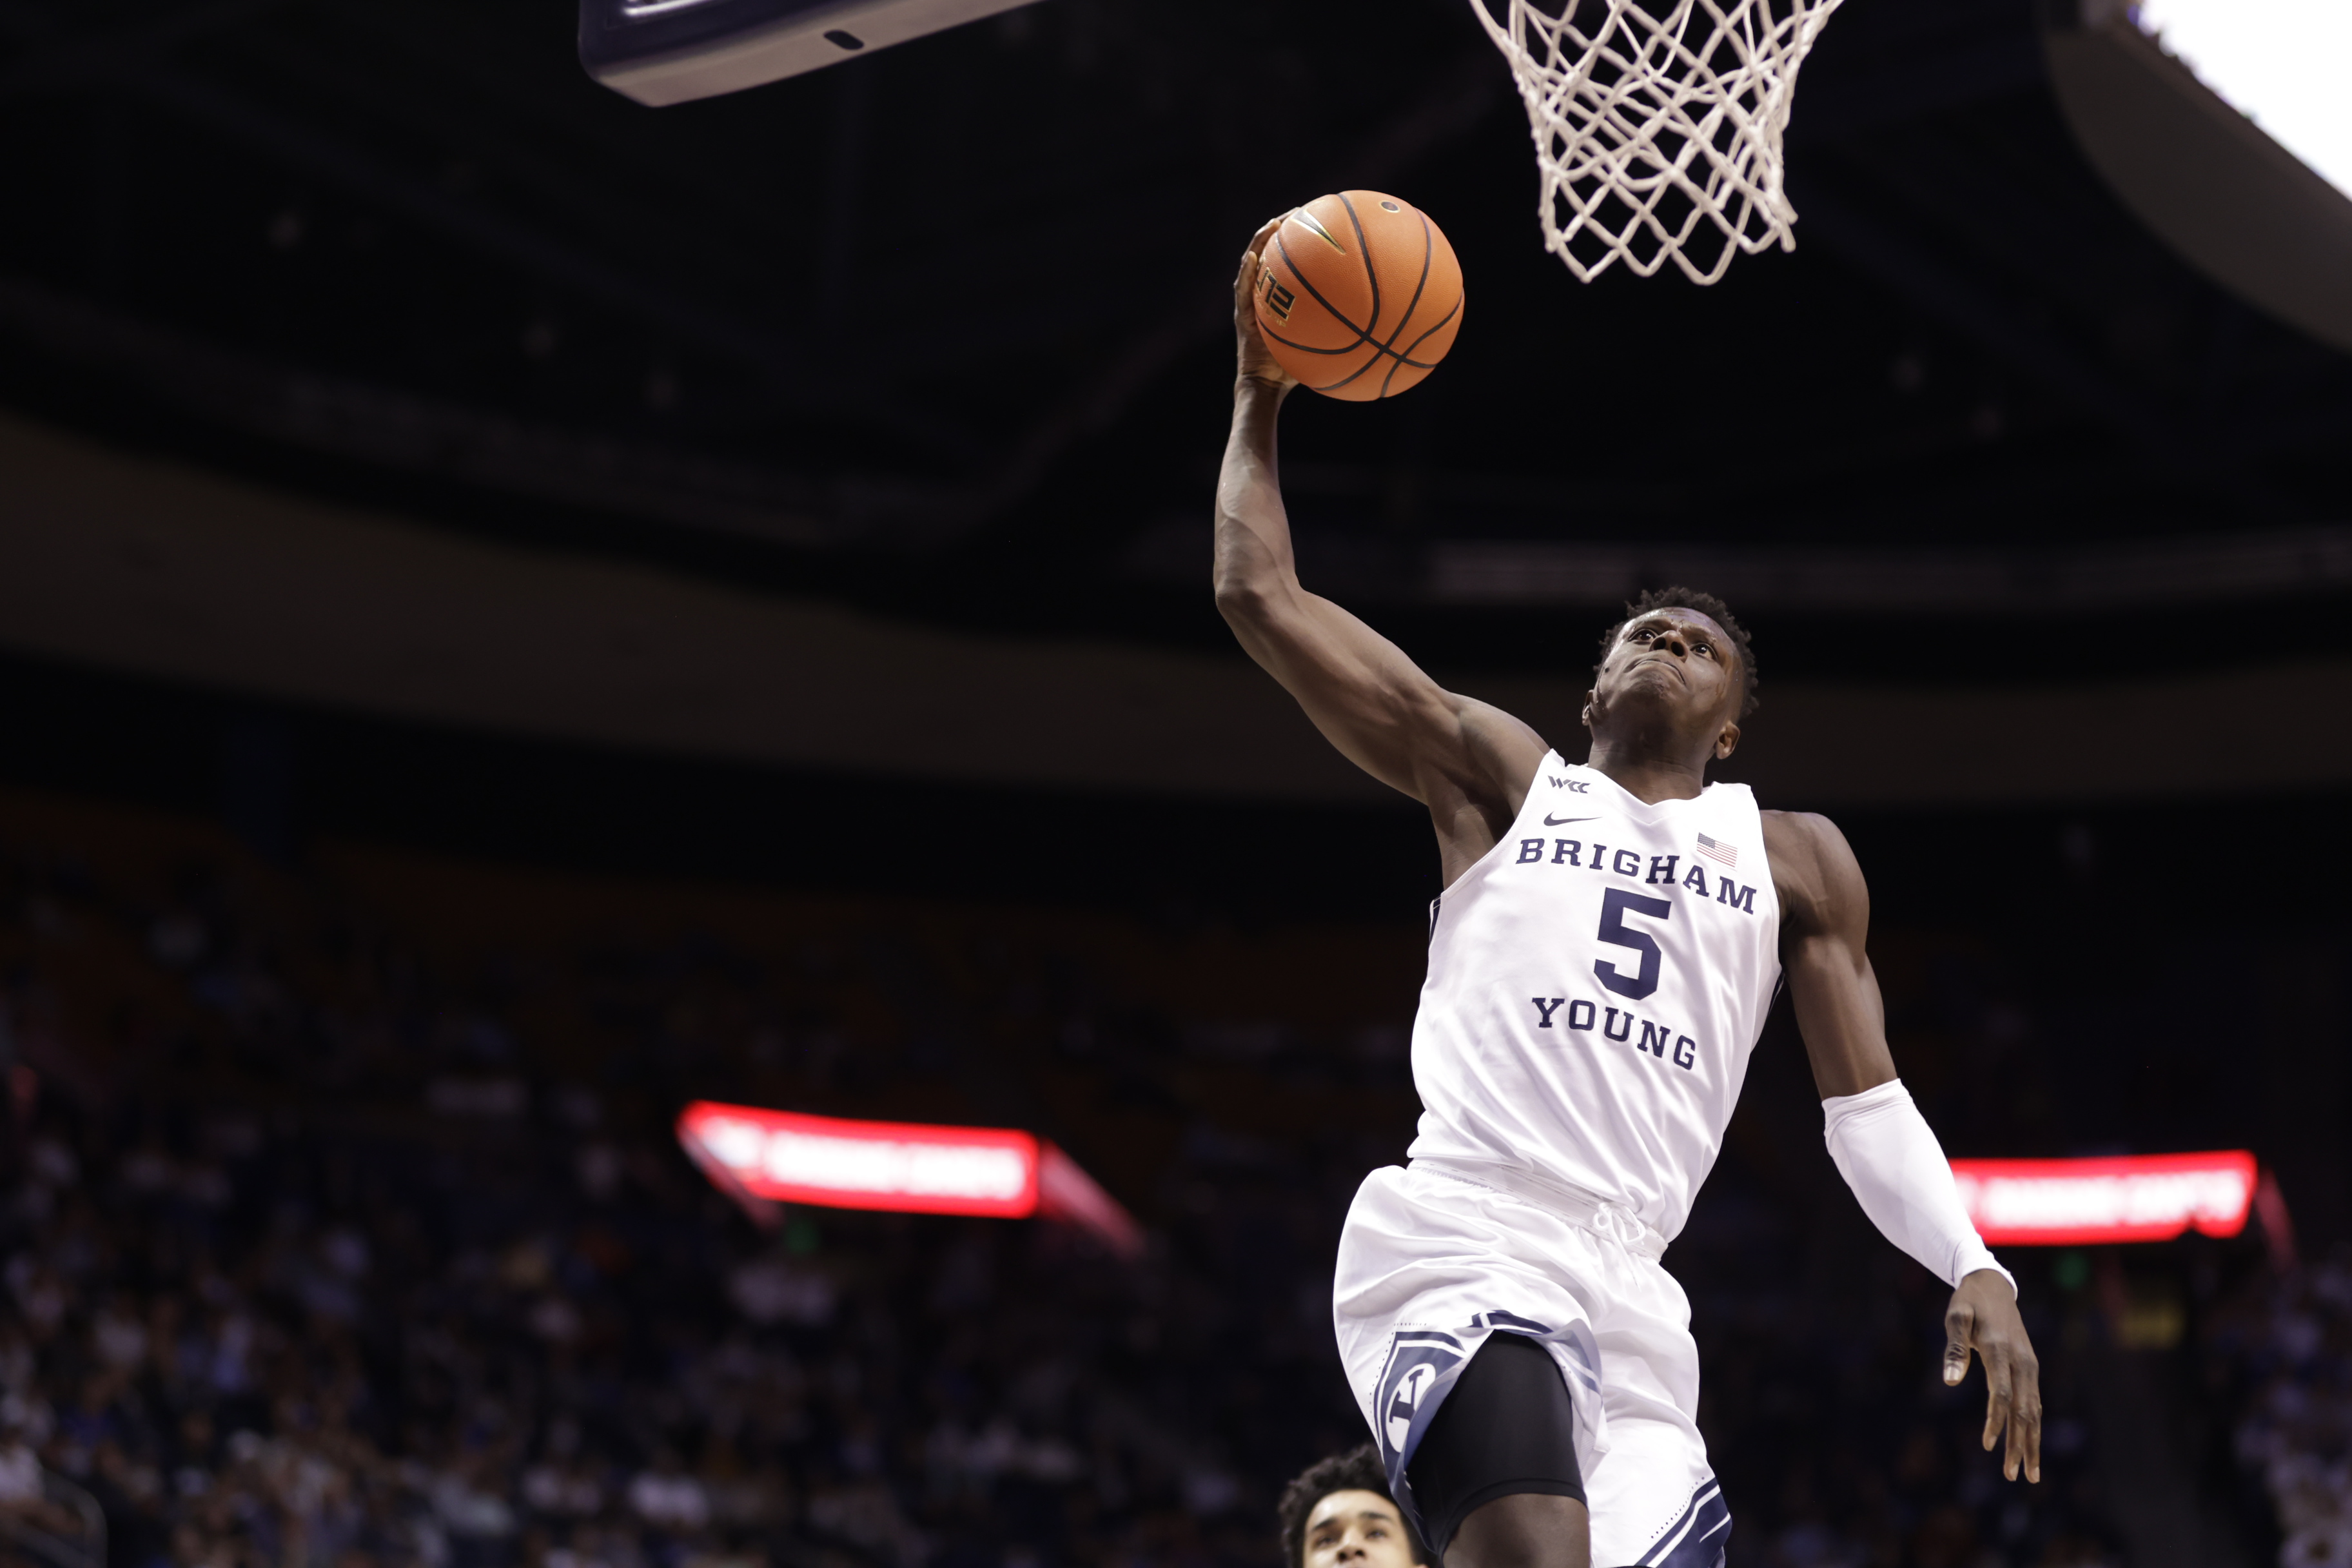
x,y
1357,1470
1679,598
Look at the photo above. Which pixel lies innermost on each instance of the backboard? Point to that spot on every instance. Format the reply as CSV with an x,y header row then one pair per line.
x,y
671,51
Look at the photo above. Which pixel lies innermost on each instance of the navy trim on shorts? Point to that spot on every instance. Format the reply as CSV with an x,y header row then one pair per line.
x,y
1695,1539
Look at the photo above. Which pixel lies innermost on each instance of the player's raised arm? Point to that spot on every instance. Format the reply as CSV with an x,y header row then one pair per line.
x,y
1881,1145
1460,757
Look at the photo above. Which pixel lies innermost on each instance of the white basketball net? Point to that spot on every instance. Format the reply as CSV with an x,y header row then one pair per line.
x,y
1657,124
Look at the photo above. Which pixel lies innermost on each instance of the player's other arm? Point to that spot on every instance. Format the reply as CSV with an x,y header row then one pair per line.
x,y
1881,1145
1454,754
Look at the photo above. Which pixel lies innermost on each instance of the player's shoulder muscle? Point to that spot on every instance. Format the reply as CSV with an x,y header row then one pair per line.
x,y
1814,872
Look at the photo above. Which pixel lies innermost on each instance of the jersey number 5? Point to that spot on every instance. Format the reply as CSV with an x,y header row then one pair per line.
x,y
1616,933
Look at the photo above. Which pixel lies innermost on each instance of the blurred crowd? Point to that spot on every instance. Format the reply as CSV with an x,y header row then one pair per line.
x,y
325,1350
340,1234
343,1228
2290,1347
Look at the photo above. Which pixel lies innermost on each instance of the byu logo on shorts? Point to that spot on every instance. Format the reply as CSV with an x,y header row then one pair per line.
x,y
1417,1361
1406,1400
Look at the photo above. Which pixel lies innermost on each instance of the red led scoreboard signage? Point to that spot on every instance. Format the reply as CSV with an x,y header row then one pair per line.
x,y
896,1165
782,1156
2133,1197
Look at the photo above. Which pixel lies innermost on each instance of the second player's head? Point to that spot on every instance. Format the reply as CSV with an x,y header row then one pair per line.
x,y
1337,1515
1676,673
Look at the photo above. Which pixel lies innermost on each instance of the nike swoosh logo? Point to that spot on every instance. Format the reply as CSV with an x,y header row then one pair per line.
x,y
1564,821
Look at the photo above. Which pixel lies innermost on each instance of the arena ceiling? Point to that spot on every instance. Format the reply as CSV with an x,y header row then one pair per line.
x,y
943,331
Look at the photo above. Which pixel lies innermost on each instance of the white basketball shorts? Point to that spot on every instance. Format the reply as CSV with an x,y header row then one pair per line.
x,y
1431,1263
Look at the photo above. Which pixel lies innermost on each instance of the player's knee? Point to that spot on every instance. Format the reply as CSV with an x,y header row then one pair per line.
x,y
1524,1529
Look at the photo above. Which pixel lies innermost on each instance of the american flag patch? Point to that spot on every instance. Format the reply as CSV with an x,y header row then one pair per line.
x,y
1726,853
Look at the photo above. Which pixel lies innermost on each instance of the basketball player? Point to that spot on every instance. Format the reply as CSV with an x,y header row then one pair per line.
x,y
1601,961
1337,1513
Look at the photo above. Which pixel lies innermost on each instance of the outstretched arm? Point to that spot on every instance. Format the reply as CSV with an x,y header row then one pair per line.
x,y
1881,1145
1469,762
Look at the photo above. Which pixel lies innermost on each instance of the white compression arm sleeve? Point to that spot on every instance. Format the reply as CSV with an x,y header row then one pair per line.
x,y
1889,1157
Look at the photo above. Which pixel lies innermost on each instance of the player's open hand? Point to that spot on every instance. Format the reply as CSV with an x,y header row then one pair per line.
x,y
1984,1318
1255,363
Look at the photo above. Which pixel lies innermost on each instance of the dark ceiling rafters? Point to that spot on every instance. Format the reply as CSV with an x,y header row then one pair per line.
x,y
1935,284
2062,252
792,377
402,431
600,209
854,251
1461,96
58,59
328,412
134,60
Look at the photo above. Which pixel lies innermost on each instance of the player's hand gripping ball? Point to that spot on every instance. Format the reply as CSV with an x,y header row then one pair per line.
x,y
1359,295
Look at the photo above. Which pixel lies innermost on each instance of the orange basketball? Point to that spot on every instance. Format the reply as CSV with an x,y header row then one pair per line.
x,y
1360,295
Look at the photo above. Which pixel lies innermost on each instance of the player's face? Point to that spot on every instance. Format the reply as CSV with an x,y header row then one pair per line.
x,y
1675,658
1357,1529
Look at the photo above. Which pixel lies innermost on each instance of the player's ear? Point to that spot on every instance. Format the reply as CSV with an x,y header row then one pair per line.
x,y
1590,701
1726,743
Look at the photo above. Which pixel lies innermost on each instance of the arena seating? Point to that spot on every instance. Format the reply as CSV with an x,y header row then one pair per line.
x,y
345,1228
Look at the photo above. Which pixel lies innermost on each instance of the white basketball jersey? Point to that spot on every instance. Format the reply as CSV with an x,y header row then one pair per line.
x,y
1596,982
